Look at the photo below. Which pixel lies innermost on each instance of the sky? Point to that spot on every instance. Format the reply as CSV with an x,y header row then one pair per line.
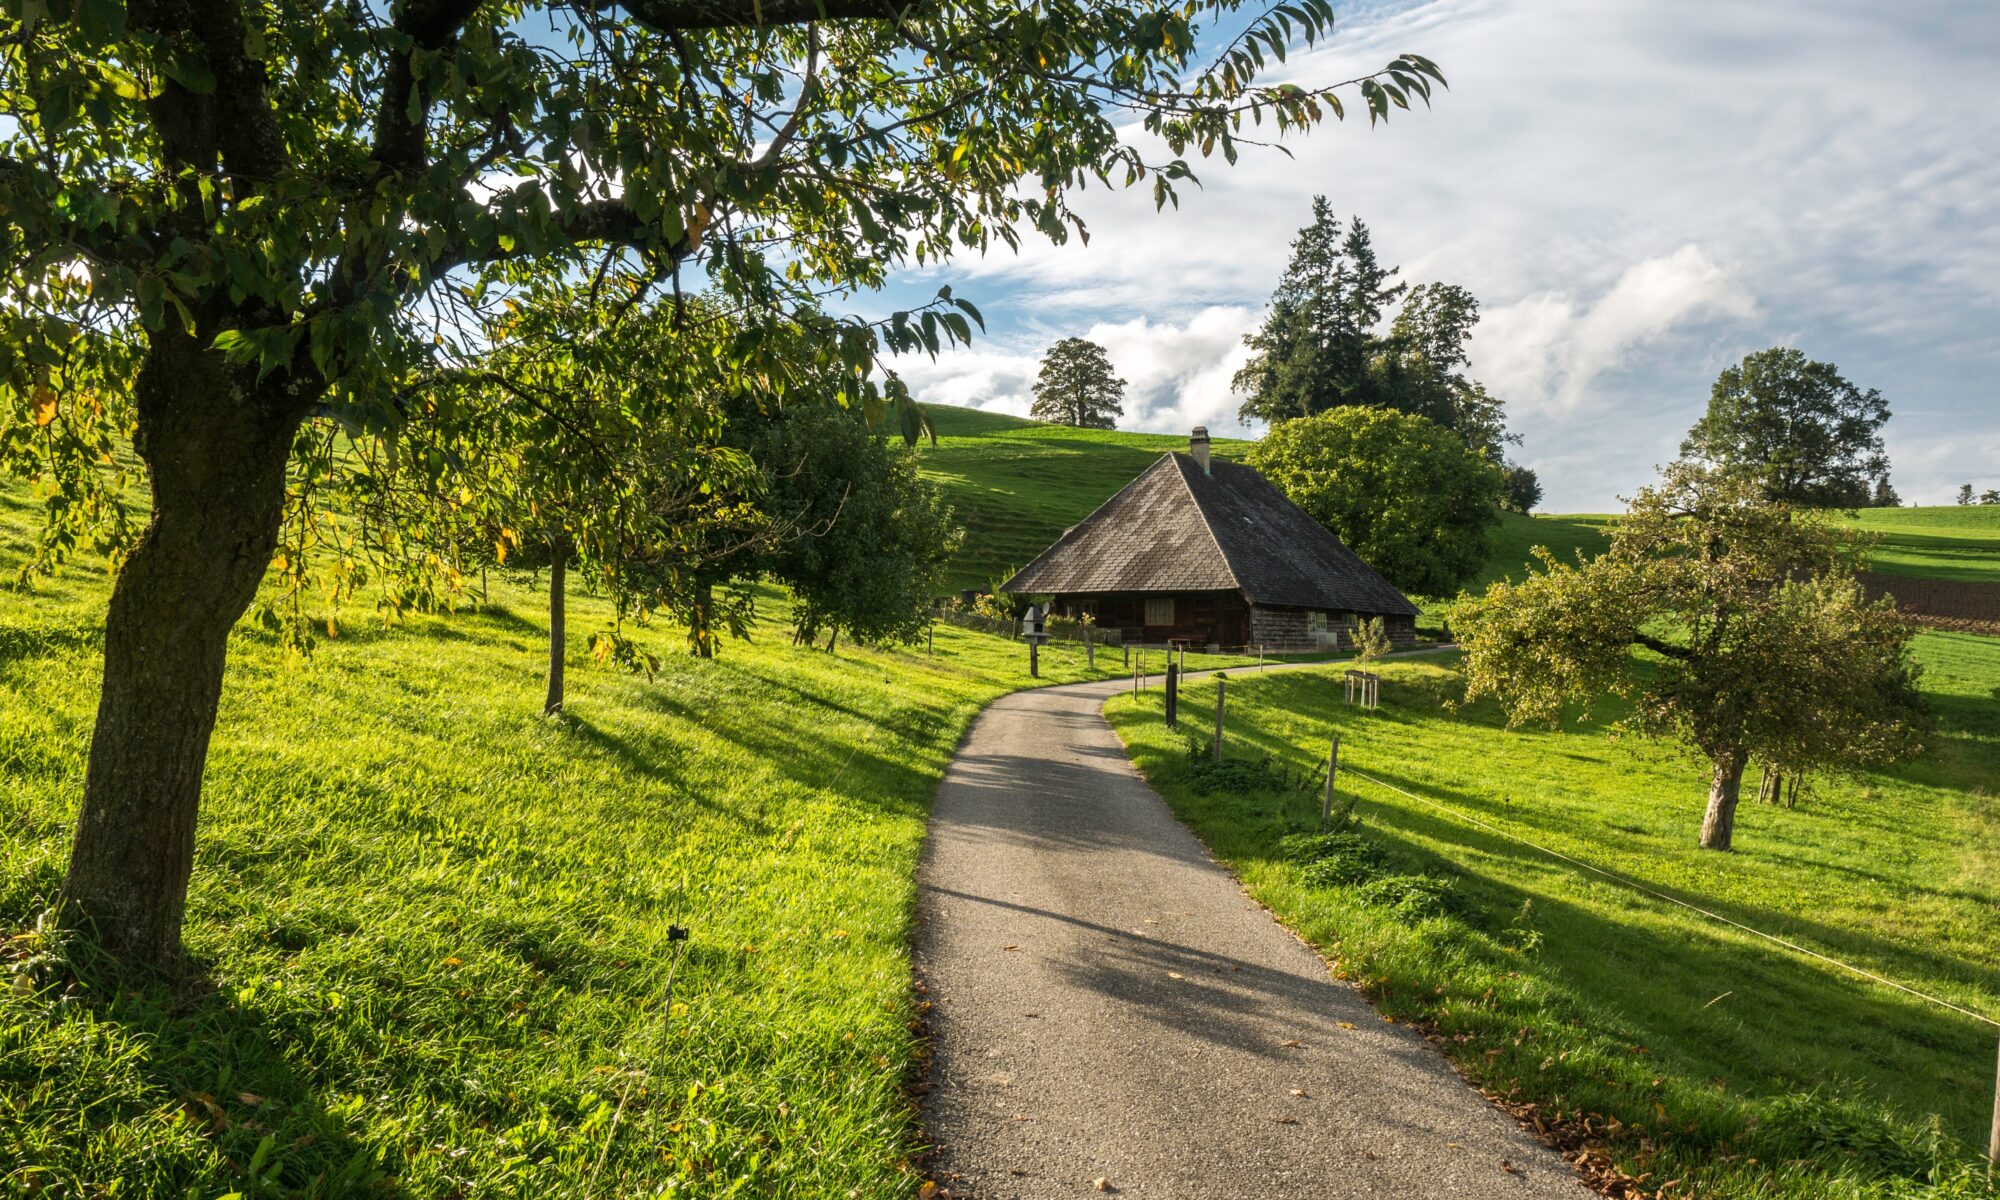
x,y
1639,193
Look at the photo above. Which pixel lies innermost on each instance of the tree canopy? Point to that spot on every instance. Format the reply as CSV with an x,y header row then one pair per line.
x,y
1077,386
1321,345
1313,350
859,537
1404,493
1758,643
1807,435
231,230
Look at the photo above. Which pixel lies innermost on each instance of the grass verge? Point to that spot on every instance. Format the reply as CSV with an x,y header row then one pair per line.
x,y
1706,1062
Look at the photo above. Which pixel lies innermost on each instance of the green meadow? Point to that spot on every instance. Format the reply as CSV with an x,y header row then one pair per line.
x,y
432,928
1942,542
1731,1065
1017,484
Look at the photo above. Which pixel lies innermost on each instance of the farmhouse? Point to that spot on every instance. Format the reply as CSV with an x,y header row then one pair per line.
x,y
1212,554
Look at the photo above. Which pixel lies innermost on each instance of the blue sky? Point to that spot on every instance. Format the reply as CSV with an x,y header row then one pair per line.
x,y
1638,192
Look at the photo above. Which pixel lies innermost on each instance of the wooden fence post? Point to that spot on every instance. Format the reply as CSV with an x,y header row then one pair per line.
x,y
1127,648
1993,1139
1173,695
1089,650
1326,802
1034,659
1221,691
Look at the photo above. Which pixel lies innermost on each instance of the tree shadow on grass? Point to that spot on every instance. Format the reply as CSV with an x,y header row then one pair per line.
x,y
200,1058
1869,949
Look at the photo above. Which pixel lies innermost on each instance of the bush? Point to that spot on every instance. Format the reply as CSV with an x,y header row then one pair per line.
x,y
1413,898
1335,859
1823,1124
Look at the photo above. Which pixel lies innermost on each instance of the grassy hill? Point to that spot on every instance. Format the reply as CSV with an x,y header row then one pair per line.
x,y
1017,484
431,926
1940,542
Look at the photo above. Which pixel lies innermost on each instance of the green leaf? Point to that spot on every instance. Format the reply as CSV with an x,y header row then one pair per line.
x,y
191,71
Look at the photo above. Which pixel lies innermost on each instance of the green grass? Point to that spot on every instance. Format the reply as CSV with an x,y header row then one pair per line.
x,y
1519,534
1942,542
1017,484
1738,1067
431,926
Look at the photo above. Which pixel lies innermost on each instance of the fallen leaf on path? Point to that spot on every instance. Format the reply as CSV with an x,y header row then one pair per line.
x,y
1300,1092
1102,1184
1010,947
1293,1044
1175,975
929,1189
1508,1167
1347,1024
1286,1120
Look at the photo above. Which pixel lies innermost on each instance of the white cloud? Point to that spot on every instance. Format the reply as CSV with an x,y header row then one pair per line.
x,y
1546,351
1638,193
1176,373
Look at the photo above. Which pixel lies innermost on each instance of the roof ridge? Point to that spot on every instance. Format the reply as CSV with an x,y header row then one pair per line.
x,y
1207,519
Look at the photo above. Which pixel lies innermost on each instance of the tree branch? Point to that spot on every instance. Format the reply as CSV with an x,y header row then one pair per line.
x,y
401,139
668,16
1668,649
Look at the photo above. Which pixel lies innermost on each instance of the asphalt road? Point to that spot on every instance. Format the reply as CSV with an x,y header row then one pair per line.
x,y
1109,1005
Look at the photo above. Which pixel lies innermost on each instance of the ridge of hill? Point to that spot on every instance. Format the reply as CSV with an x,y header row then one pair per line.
x,y
1016,484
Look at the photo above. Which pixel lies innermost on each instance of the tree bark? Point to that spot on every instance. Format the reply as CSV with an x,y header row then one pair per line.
x,y
1725,787
558,571
215,447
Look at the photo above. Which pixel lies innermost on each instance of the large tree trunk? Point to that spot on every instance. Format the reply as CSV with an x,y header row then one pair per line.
x,y
1725,786
216,449
558,570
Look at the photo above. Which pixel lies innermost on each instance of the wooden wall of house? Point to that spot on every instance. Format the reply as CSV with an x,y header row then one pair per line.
x,y
1221,619
1200,618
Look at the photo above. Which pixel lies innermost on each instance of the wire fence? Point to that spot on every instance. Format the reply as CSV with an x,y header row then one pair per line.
x,y
1657,894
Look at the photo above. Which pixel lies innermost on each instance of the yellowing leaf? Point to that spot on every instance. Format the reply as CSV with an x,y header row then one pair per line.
x,y
43,406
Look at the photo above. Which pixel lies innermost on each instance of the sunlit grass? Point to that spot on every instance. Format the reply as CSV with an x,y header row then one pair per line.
x,y
1712,1047
1017,484
431,927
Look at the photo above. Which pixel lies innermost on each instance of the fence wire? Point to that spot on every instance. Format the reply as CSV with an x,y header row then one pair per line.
x,y
1674,900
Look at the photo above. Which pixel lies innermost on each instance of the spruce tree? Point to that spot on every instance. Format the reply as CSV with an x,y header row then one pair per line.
x,y
1289,373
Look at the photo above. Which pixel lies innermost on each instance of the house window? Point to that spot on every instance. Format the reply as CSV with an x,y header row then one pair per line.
x,y
1160,611
1315,622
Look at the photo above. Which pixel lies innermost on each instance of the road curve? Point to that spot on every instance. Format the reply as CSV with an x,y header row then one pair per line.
x,y
1109,1005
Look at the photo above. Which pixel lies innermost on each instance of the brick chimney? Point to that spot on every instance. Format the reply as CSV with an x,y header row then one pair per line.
x,y
1198,447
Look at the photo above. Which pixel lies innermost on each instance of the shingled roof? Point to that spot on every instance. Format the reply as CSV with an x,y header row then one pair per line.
x,y
1177,528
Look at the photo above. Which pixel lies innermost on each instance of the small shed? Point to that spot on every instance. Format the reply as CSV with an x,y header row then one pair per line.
x,y
1212,554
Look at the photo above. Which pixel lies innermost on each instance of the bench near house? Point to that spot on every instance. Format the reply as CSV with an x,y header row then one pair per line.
x,y
1212,554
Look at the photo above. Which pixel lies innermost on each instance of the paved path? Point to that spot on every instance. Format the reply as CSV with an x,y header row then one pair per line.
x,y
1108,1004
